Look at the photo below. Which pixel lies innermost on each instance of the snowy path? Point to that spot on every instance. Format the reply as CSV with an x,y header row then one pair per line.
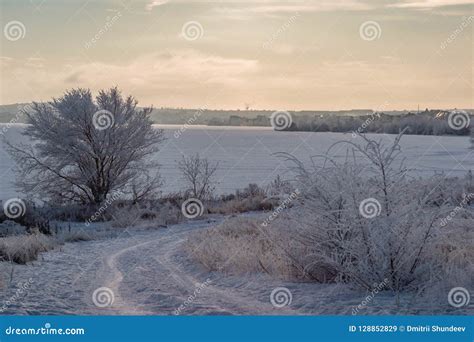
x,y
149,273
161,283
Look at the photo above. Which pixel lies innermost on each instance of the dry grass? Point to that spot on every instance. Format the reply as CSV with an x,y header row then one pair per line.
x,y
242,205
21,249
133,215
455,253
240,246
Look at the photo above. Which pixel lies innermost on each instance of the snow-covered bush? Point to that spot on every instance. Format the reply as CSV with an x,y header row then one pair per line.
x,y
364,220
242,205
359,220
159,213
279,188
251,190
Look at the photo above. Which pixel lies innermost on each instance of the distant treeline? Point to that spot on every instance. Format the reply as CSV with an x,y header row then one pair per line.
x,y
428,122
424,123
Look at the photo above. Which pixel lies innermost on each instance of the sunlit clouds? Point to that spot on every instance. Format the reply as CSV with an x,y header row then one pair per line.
x,y
273,54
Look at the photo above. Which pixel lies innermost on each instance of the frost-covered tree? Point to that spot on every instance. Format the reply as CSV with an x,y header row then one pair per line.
x,y
83,149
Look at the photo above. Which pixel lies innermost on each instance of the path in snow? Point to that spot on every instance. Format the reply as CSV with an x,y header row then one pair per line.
x,y
143,270
149,273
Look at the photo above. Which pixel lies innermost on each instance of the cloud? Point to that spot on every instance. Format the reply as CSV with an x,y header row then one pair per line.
x,y
73,78
155,3
244,8
166,75
5,61
35,62
430,3
274,7
320,6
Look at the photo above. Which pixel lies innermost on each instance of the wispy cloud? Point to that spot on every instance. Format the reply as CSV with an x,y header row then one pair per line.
x,y
183,71
273,7
276,7
155,3
430,3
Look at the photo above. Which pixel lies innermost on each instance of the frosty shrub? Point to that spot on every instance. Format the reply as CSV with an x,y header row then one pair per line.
x,y
398,241
328,236
242,205
84,149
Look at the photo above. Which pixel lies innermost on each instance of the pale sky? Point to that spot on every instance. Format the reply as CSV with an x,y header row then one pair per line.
x,y
289,55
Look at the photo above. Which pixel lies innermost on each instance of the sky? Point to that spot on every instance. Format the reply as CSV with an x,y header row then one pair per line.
x,y
280,55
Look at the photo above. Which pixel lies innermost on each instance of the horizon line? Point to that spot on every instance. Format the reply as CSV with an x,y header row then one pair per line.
x,y
275,110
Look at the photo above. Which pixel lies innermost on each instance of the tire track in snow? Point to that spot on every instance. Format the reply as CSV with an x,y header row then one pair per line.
x,y
178,284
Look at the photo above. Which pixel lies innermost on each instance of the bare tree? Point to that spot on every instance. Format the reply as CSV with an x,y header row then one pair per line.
x,y
198,173
82,150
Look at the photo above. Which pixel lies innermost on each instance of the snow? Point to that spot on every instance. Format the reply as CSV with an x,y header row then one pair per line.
x,y
149,272
245,155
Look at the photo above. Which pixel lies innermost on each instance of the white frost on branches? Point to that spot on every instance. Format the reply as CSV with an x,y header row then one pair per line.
x,y
71,160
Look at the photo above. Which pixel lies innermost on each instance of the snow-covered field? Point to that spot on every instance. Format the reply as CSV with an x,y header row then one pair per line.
x,y
245,154
149,272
